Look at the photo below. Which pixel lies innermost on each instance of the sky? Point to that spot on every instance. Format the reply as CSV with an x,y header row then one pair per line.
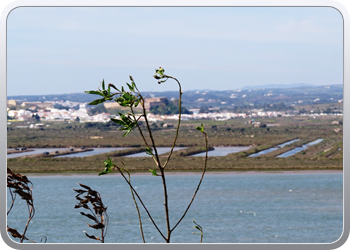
x,y
58,50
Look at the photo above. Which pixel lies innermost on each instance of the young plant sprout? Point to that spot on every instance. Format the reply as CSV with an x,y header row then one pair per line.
x,y
128,122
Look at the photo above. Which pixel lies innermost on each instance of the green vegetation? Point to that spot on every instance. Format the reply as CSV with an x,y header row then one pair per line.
x,y
129,121
169,108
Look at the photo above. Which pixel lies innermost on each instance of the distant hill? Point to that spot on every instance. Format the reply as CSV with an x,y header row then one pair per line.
x,y
280,86
294,94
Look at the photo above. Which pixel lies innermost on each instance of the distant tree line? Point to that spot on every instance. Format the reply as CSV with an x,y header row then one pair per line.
x,y
169,108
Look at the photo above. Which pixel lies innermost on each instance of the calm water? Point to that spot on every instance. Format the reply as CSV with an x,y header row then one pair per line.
x,y
95,151
160,150
289,153
273,149
35,151
299,149
231,208
223,151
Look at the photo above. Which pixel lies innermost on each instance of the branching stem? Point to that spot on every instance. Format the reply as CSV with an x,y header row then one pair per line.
x,y
149,215
195,193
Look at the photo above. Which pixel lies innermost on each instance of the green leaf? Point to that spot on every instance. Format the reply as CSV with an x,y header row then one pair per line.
x,y
93,92
149,151
105,93
201,128
133,84
130,87
198,227
112,85
160,71
119,100
103,84
127,132
117,121
124,103
127,96
98,101
108,166
126,119
154,172
103,172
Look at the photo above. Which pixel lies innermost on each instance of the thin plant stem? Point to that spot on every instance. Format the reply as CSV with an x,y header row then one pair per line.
x,y
143,137
31,215
157,161
178,123
150,132
13,198
166,205
137,207
149,215
31,211
195,193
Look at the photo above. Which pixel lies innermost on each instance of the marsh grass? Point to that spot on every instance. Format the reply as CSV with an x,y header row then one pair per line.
x,y
223,133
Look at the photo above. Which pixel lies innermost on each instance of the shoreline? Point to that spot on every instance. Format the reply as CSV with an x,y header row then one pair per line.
x,y
249,172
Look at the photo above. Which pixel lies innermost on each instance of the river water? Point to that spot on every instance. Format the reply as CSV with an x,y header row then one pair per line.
x,y
231,207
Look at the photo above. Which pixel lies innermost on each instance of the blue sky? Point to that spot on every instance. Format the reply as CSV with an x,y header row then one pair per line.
x,y
56,50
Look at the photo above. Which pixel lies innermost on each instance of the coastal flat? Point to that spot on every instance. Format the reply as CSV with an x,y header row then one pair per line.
x,y
326,155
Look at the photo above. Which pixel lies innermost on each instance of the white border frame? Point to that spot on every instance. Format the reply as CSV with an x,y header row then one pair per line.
x,y
187,3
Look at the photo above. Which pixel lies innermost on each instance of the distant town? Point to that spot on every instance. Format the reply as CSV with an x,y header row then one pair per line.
x,y
69,111
196,105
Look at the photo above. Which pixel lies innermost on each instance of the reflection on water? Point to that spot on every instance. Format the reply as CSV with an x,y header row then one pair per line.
x,y
223,151
95,151
299,149
218,151
287,143
314,142
160,150
273,149
34,152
